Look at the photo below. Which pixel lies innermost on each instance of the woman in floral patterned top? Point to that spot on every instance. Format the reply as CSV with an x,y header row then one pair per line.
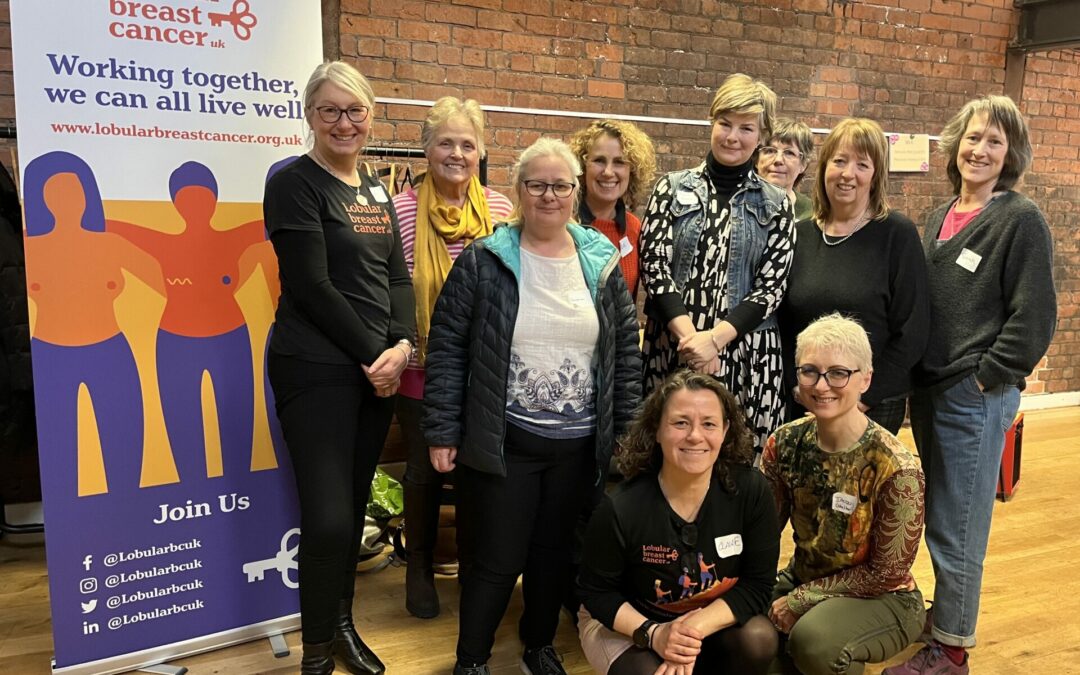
x,y
854,495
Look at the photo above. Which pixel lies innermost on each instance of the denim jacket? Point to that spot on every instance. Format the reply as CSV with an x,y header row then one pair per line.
x,y
754,207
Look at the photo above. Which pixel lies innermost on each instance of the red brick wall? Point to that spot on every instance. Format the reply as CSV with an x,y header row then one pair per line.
x,y
909,64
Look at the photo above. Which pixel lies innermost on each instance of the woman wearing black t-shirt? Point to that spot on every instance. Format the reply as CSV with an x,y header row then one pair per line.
x,y
679,562
340,344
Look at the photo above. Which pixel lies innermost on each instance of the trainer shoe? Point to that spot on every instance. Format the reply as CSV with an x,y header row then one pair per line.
x,y
541,661
481,669
930,660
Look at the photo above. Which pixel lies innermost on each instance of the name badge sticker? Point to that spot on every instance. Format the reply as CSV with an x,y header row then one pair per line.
x,y
379,194
728,545
844,503
625,247
686,197
969,260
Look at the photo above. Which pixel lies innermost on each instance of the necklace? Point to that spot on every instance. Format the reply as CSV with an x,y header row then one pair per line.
x,y
858,226
360,199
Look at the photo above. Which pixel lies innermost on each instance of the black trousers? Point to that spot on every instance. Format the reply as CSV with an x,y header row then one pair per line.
x,y
522,524
334,426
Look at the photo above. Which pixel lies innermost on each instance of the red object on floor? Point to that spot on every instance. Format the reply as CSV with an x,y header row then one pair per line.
x,y
1009,474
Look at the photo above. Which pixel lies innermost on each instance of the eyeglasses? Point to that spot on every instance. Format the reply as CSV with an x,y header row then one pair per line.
x,y
537,188
834,377
789,155
331,113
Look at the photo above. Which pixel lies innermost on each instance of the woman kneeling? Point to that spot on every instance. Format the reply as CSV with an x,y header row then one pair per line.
x,y
678,561
854,495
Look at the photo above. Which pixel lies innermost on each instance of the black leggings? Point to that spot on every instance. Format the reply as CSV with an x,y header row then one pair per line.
x,y
522,524
740,650
334,426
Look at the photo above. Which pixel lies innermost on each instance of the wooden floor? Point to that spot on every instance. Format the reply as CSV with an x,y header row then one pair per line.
x,y
1029,621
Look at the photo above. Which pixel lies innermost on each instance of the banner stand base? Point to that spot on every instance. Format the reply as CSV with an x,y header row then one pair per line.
x,y
164,669
277,645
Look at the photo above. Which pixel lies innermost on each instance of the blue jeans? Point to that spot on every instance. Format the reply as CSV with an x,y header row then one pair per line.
x,y
960,434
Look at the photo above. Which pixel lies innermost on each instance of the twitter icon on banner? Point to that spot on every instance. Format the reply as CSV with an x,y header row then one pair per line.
x,y
88,607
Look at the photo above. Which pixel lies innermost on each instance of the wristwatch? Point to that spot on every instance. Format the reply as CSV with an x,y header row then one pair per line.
x,y
642,638
410,350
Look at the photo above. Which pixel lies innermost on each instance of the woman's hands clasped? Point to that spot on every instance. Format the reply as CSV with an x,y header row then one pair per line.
x,y
385,373
678,643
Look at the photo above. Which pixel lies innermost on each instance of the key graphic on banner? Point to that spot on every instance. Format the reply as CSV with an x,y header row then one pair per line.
x,y
284,561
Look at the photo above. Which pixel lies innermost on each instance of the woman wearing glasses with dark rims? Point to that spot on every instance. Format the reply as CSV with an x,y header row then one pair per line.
x,y
854,496
341,341
679,560
783,161
533,369
859,257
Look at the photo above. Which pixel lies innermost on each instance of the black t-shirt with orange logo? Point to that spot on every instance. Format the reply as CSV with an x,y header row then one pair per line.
x,y
638,550
346,294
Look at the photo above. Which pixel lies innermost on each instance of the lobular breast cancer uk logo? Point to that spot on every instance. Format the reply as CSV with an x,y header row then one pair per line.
x,y
186,25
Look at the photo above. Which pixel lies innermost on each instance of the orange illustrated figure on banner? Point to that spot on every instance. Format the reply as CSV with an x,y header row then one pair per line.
x,y
89,400
206,371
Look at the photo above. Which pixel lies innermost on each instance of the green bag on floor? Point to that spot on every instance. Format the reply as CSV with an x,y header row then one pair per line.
x,y
387,498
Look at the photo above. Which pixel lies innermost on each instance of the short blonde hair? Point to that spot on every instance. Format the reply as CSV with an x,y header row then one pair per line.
x,y
866,138
1001,112
797,134
636,145
447,108
839,334
342,75
742,94
545,146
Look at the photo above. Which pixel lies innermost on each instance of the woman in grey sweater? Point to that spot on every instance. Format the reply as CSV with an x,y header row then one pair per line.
x,y
993,307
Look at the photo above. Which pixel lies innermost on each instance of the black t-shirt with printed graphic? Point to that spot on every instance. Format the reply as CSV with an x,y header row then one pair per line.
x,y
638,550
346,294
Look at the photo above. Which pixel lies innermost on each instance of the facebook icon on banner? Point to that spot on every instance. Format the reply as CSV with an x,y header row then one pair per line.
x,y
87,561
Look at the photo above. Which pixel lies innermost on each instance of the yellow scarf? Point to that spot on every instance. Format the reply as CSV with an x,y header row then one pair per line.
x,y
436,224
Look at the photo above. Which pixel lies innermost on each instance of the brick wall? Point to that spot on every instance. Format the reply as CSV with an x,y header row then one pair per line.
x,y
909,64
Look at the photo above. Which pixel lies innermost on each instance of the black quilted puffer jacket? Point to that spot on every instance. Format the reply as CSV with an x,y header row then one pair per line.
x,y
468,358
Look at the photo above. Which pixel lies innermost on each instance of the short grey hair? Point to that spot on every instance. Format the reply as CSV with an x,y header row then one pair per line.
x,y
447,108
545,146
840,334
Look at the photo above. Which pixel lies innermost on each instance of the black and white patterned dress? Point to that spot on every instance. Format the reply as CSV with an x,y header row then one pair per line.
x,y
751,365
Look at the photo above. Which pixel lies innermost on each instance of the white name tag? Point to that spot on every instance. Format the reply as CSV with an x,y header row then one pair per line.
x,y
686,197
625,247
379,194
844,503
969,260
579,298
729,545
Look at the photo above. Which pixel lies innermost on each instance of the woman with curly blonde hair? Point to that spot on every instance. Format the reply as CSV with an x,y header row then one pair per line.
x,y
618,162
679,561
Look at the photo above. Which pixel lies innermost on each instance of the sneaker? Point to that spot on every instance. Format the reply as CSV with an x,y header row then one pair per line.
x,y
541,661
930,660
481,669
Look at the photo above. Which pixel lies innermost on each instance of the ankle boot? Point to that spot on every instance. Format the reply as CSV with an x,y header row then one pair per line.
x,y
318,659
356,656
421,532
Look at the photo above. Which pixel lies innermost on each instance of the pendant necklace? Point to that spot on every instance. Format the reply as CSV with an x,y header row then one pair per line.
x,y
360,199
862,222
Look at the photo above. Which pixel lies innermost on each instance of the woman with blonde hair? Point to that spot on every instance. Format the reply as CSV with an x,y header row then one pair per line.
x,y
533,370
341,340
993,308
618,161
447,211
861,258
716,246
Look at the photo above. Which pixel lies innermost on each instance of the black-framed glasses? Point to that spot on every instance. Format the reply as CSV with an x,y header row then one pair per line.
x,y
834,377
537,188
331,113
789,155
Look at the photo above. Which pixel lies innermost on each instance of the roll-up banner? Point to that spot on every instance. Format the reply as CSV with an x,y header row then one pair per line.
x,y
146,132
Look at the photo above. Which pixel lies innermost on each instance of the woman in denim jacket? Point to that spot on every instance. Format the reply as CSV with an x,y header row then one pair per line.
x,y
716,246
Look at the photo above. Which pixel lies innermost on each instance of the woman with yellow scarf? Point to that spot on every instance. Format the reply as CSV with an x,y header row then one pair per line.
x,y
447,211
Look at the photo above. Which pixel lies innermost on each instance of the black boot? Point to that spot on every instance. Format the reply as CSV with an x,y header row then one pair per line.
x,y
318,659
356,656
421,533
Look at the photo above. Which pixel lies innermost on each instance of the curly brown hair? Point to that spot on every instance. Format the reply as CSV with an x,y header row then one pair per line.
x,y
640,450
637,147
